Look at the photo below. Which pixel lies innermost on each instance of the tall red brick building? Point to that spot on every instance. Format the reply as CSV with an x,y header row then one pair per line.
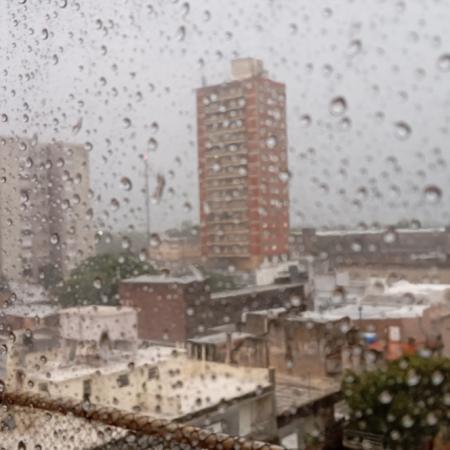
x,y
243,168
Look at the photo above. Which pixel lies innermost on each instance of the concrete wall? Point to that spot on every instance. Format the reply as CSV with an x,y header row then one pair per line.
x,y
91,322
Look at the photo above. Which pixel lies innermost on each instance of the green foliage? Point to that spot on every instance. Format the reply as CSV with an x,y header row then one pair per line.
x,y
96,280
218,281
50,276
407,402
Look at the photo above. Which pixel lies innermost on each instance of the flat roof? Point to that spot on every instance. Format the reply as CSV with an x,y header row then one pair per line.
x,y
218,338
97,310
295,392
403,287
163,279
118,362
353,312
254,290
215,387
31,310
377,231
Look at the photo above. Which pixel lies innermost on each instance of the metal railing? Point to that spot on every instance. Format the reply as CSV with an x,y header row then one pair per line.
x,y
164,431
360,440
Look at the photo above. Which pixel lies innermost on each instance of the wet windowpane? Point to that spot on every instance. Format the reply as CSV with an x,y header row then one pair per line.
x,y
224,224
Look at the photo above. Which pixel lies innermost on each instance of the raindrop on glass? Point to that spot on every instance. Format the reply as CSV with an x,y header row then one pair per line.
x,y
338,106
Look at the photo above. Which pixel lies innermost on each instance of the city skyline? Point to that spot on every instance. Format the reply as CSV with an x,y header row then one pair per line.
x,y
367,158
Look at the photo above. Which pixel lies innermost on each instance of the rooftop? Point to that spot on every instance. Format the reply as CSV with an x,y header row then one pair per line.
x,y
293,393
378,231
402,287
254,290
99,310
355,312
219,338
33,310
116,363
163,279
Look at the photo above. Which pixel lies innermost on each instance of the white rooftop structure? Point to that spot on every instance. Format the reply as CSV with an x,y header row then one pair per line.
x,y
117,362
356,312
28,293
84,323
406,292
377,231
164,279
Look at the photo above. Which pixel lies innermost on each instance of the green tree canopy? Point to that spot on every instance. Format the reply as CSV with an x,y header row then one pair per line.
x,y
96,280
407,402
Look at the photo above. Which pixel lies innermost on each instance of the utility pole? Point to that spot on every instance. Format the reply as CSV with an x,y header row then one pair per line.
x,y
147,206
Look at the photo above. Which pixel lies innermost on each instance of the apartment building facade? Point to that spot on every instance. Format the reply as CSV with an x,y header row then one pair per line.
x,y
243,168
45,212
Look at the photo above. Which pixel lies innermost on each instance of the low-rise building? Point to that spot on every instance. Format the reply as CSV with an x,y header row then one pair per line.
x,y
174,309
95,361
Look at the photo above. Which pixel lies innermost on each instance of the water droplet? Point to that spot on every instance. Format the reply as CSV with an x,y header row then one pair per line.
x,y
127,122
206,16
412,378
187,207
62,3
433,194
285,176
4,118
185,9
354,48
271,142
77,127
154,127
437,377
407,421
97,283
385,397
305,120
152,144
345,124
390,236
155,240
114,204
293,28
125,184
54,239
181,33
356,247
431,419
24,197
45,34
402,130
142,255
338,106
444,63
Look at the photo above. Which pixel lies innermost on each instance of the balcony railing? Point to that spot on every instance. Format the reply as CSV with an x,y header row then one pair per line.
x,y
137,431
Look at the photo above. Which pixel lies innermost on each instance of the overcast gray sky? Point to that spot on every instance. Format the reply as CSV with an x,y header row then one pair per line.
x,y
119,67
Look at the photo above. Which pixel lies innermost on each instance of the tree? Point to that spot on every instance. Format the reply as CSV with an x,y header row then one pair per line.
x,y
96,280
218,281
407,402
50,276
